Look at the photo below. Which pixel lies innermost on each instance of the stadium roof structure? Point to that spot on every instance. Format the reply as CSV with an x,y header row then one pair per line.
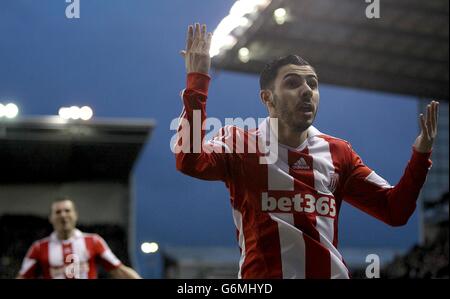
x,y
405,51
49,149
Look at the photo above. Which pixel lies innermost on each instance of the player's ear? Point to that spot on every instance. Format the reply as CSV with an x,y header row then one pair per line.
x,y
75,213
266,96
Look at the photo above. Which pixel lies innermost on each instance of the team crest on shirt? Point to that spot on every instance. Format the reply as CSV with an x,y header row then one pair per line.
x,y
334,181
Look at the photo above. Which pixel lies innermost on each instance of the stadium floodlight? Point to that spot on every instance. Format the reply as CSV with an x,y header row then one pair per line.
x,y
149,247
244,55
244,22
75,112
280,16
9,110
86,113
237,18
64,113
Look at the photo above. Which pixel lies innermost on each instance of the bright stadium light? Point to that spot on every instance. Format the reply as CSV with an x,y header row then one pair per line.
x,y
244,55
64,113
149,247
244,22
280,16
9,110
222,38
75,112
86,113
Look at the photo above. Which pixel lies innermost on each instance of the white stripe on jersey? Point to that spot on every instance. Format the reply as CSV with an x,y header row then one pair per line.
x,y
325,227
278,173
55,258
108,255
26,265
374,178
292,246
324,169
323,166
82,256
237,216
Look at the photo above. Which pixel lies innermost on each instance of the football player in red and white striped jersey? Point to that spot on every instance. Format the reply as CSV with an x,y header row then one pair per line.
x,y
286,179
70,253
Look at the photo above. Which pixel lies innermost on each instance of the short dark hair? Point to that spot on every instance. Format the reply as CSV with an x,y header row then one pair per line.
x,y
271,69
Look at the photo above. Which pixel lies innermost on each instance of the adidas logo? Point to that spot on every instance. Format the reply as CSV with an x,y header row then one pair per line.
x,y
301,164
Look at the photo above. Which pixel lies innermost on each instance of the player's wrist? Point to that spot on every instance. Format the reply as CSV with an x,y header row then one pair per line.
x,y
198,82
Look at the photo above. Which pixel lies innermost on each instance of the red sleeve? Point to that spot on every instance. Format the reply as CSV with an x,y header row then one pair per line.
x,y
105,256
372,194
30,263
194,157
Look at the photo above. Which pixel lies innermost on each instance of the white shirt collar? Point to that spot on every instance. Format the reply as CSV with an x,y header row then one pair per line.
x,y
76,234
264,129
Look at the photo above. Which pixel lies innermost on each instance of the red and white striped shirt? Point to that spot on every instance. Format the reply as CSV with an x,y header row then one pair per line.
x,y
52,258
286,213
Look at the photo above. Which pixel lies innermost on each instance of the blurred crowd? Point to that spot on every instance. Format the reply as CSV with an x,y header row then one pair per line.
x,y
429,260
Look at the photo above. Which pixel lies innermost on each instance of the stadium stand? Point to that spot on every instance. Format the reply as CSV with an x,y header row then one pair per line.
x,y
428,260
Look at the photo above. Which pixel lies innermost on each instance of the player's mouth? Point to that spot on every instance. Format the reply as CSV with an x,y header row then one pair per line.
x,y
306,109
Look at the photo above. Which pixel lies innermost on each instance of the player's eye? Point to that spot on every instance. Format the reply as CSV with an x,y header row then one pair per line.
x,y
312,83
293,82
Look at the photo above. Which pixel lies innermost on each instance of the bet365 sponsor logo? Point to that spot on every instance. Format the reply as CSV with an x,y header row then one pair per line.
x,y
307,203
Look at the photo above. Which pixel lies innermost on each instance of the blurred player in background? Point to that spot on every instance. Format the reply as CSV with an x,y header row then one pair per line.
x,y
70,253
286,210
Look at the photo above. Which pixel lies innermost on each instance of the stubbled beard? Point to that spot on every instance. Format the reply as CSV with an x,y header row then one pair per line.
x,y
289,119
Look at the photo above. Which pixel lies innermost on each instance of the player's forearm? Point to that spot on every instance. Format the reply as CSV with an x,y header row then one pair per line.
x,y
190,132
124,272
402,198
194,102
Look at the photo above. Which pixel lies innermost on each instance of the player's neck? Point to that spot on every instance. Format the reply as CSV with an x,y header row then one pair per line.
x,y
289,137
65,235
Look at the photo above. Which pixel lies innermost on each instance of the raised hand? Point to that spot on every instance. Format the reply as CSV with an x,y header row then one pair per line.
x,y
196,55
428,125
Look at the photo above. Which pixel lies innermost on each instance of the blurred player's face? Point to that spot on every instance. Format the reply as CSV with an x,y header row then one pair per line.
x,y
296,97
63,217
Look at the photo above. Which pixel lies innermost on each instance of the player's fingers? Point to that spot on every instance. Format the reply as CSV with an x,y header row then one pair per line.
x,y
429,122
189,37
208,42
203,32
195,45
423,126
432,122
201,45
196,31
435,117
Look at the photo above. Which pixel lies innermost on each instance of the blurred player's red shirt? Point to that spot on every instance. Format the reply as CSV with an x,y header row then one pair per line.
x,y
286,213
73,258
